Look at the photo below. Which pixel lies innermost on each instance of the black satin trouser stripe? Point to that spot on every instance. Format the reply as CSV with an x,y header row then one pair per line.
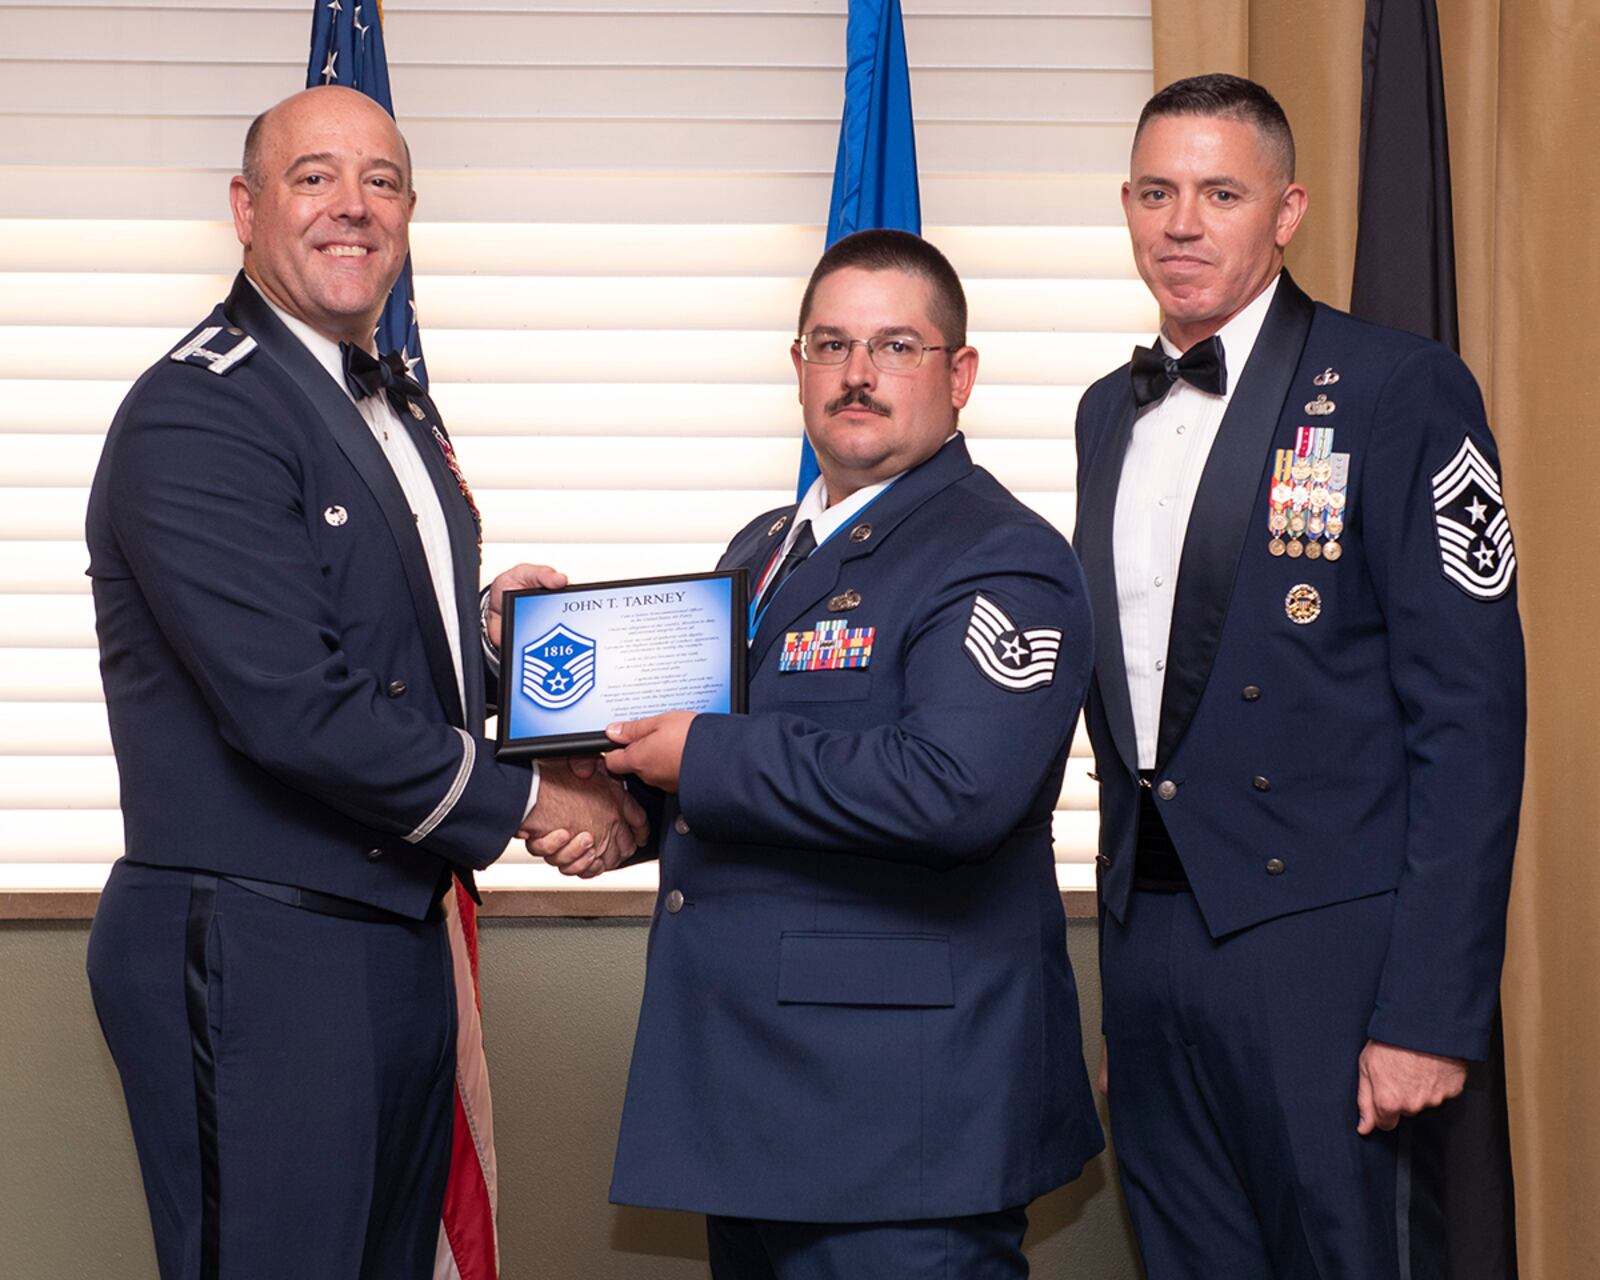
x,y
197,982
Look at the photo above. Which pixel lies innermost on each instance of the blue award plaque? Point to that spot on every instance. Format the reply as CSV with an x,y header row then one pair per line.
x,y
573,661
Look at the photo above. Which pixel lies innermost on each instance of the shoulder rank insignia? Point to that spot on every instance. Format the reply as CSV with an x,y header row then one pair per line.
x,y
216,348
1005,654
1475,550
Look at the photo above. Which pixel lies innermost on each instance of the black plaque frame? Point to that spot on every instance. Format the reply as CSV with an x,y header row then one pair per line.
x,y
592,742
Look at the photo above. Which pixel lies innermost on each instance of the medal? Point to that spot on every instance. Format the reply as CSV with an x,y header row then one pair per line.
x,y
1279,494
1296,549
1313,551
1338,482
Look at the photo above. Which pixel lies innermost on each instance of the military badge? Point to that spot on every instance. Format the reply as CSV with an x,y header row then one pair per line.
x,y
830,645
1321,407
1475,549
844,602
558,668
777,526
1005,654
1303,604
1326,378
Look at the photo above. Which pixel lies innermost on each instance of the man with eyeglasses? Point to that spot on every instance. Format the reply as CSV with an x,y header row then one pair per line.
x,y
859,1048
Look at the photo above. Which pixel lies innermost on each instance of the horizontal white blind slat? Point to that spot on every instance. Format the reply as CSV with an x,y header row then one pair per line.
x,y
669,303
588,251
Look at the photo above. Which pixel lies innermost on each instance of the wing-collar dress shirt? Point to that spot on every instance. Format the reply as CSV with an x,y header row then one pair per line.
x,y
1161,471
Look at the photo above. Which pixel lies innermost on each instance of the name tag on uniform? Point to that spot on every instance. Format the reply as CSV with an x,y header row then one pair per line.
x,y
830,645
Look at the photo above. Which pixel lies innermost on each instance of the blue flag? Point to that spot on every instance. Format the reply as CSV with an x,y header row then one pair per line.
x,y
875,174
347,49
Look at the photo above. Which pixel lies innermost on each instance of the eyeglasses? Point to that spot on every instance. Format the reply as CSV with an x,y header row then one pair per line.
x,y
891,354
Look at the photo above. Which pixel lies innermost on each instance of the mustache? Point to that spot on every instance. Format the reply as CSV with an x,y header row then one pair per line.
x,y
858,396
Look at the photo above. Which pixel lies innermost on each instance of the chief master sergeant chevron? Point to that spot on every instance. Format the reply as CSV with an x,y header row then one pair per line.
x,y
285,566
859,1047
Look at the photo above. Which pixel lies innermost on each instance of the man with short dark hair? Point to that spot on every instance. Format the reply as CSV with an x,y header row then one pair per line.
x,y
285,566
1307,712
858,1051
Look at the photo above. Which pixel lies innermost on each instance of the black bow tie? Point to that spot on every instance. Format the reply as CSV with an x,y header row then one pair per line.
x,y
367,375
1201,366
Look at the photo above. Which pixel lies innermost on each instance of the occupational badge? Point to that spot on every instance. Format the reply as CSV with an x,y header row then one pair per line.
x,y
1475,549
844,602
1321,407
1303,604
777,526
558,668
830,645
1013,658
1326,378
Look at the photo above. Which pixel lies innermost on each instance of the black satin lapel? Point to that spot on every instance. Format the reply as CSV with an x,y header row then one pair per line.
x,y
1097,510
1225,510
464,555
354,438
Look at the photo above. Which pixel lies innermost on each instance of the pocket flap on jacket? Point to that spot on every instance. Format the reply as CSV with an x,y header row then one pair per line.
x,y
865,968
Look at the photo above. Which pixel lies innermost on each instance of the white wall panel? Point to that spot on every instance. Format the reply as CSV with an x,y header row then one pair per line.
x,y
619,203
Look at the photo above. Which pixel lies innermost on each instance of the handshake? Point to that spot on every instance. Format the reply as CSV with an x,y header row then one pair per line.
x,y
584,822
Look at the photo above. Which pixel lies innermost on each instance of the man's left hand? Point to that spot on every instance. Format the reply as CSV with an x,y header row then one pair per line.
x,y
517,578
652,748
1397,1082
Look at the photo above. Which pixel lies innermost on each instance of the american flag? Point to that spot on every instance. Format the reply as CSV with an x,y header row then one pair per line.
x,y
347,49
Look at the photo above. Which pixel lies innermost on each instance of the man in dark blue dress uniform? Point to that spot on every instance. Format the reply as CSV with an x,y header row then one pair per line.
x,y
1307,713
285,565
859,1049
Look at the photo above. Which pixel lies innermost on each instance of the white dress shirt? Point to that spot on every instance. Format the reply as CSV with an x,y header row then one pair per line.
x,y
1161,471
409,469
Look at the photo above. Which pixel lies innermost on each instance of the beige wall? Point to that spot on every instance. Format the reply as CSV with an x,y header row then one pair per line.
x,y
560,1002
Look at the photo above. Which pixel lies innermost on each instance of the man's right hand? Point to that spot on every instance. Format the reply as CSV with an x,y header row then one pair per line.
x,y
584,822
